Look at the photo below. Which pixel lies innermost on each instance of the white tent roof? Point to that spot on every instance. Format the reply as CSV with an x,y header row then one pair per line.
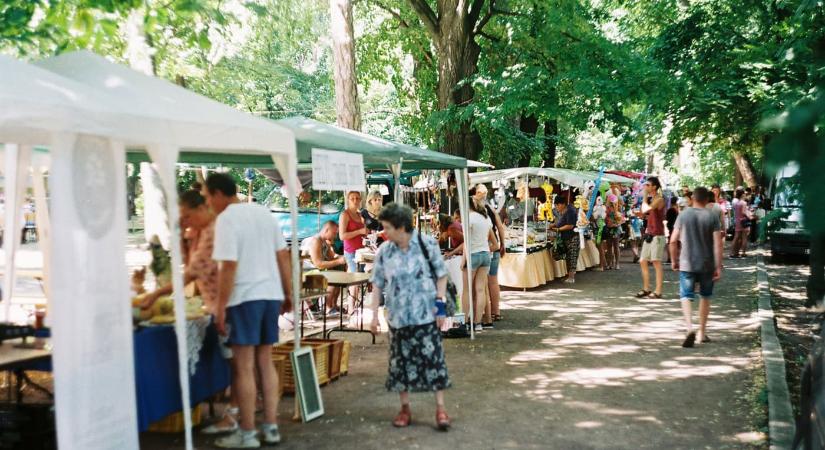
x,y
35,103
171,114
570,177
478,164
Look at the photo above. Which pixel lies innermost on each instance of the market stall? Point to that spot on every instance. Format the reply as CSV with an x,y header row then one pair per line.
x,y
170,124
84,257
529,261
377,153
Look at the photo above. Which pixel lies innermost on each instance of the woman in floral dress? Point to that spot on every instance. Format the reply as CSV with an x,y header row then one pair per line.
x,y
411,273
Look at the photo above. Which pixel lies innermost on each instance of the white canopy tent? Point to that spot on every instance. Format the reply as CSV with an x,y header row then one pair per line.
x,y
84,135
180,121
570,177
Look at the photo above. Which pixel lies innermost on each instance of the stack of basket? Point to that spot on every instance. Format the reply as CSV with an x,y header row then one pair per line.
x,y
331,360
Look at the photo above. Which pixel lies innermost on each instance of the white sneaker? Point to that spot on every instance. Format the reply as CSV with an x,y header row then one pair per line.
x,y
215,429
239,439
478,328
270,434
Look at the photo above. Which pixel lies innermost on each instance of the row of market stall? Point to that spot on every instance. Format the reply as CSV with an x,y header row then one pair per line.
x,y
79,118
91,116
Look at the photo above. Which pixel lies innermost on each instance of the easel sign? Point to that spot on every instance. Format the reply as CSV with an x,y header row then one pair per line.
x,y
306,384
337,171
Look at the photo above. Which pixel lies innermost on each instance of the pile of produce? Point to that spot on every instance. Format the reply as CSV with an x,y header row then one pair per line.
x,y
162,311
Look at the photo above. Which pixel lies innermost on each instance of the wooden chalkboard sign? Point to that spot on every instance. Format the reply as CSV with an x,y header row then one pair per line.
x,y
306,384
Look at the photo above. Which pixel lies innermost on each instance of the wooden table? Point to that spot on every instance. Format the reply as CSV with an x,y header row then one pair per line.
x,y
15,359
345,280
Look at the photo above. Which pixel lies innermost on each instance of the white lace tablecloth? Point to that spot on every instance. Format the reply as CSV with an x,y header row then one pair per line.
x,y
195,334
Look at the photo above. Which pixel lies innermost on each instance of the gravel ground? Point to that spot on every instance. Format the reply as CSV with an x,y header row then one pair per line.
x,y
581,367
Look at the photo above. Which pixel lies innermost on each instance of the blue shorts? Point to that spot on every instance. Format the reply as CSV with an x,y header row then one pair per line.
x,y
254,322
479,259
687,285
495,259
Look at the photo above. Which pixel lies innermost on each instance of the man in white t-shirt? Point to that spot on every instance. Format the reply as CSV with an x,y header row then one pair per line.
x,y
253,288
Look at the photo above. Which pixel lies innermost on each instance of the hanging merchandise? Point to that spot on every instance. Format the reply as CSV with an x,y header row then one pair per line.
x,y
546,209
582,224
599,215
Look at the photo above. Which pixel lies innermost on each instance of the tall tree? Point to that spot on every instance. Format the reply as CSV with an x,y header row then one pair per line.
x,y
348,111
453,27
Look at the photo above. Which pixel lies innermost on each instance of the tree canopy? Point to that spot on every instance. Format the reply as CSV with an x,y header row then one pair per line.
x,y
576,83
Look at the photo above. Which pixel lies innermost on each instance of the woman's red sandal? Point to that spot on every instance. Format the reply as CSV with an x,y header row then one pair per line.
x,y
403,419
442,420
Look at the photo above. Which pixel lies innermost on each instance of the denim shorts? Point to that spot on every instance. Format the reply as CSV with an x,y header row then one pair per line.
x,y
495,259
254,322
352,266
479,259
687,285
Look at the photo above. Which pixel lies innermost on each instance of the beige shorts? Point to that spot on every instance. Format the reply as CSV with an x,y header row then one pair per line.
x,y
653,250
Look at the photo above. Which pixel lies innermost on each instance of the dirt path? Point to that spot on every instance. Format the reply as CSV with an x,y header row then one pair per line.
x,y
569,368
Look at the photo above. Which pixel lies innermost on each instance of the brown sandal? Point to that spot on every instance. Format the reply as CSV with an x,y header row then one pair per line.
x,y
442,420
654,295
403,419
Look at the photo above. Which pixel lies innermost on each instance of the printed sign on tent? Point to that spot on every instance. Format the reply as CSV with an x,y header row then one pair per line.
x,y
337,171
91,316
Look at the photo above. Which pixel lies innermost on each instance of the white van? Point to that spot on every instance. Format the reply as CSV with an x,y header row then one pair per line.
x,y
787,234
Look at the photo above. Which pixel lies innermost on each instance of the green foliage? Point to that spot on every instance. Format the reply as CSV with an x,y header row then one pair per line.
x,y
283,69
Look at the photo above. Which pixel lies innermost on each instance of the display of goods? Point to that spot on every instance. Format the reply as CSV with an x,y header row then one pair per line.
x,y
163,306
164,319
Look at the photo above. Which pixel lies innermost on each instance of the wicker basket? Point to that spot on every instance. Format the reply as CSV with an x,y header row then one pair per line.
x,y
336,349
320,351
345,351
173,423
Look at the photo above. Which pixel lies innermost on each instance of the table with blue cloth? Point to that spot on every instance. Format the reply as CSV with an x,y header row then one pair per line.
x,y
156,372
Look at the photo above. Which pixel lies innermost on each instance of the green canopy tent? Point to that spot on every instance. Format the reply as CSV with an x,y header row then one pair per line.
x,y
378,153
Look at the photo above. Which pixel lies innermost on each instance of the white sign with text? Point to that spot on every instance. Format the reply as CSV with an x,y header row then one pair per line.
x,y
337,171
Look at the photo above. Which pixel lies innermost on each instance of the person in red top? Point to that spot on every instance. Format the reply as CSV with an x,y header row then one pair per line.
x,y
352,229
653,245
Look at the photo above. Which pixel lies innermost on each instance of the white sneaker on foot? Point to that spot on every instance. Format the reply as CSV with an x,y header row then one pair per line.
x,y
240,439
215,428
478,328
270,434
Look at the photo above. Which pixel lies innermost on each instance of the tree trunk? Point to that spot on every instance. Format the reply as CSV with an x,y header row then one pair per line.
x,y
551,139
451,28
347,110
457,59
743,163
528,125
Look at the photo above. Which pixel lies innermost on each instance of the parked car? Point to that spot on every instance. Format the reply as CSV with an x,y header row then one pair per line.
x,y
786,228
311,219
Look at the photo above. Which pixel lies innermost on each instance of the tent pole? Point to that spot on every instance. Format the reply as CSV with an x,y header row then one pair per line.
x,y
396,173
526,206
16,171
464,206
166,173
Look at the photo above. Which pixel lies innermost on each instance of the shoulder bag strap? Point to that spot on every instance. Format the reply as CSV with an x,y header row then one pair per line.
x,y
427,257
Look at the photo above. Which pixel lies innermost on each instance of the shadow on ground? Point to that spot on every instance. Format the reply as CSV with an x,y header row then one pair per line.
x,y
570,368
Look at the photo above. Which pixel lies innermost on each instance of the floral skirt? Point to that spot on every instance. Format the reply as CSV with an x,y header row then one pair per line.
x,y
417,360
